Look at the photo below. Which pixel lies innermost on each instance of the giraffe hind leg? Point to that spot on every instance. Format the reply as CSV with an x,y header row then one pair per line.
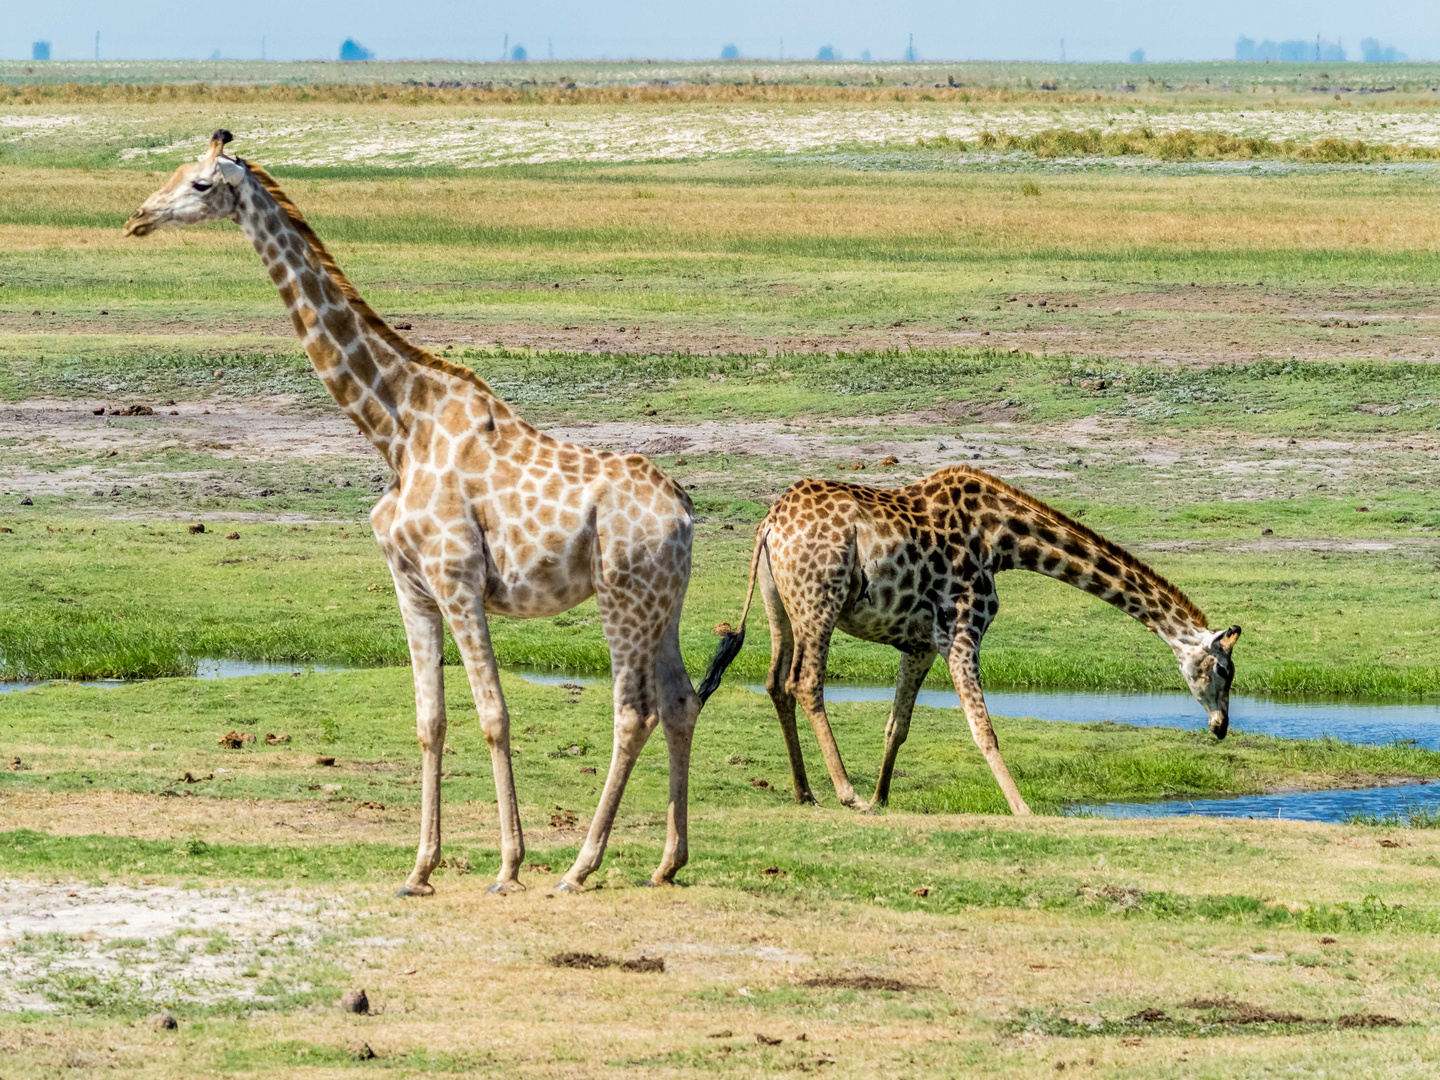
x,y
638,607
679,708
777,682
808,679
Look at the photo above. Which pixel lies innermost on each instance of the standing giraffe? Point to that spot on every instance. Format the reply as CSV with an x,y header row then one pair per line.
x,y
485,515
914,567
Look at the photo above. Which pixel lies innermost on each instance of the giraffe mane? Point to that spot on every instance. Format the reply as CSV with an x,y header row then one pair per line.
x,y
1109,547
391,337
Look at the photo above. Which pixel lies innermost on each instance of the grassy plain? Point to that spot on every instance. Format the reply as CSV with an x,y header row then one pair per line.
x,y
741,318
1225,366
924,939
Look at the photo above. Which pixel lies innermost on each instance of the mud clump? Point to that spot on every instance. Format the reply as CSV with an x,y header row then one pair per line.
x,y
361,1051
355,1001
275,740
164,1022
599,961
1243,1012
860,982
564,819
1148,1016
197,527
234,740
1367,1020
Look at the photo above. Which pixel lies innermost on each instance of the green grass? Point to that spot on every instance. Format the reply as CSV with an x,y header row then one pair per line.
x,y
86,602
145,738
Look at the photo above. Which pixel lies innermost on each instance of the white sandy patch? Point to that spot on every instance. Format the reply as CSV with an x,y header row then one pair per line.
x,y
476,138
152,938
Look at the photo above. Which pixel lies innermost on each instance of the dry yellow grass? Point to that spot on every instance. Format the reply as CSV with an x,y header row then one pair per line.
x,y
466,979
681,216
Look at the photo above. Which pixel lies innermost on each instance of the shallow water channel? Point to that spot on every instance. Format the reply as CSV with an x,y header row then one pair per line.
x,y
1362,722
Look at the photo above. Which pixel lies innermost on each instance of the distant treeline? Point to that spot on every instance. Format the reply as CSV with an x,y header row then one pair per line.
x,y
1324,52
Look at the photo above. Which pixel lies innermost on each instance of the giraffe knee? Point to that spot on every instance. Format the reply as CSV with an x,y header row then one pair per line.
x,y
430,730
495,725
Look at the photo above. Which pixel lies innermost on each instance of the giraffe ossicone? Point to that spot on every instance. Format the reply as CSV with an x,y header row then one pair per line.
x,y
485,515
914,567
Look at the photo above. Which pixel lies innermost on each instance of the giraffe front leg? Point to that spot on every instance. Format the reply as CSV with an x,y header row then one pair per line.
x,y
471,631
424,631
963,659
913,669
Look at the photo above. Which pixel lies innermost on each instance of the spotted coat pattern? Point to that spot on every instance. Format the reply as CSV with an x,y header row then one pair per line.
x,y
914,568
485,515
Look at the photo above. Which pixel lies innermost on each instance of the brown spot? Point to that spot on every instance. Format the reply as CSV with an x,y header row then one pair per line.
x,y
861,982
1367,1020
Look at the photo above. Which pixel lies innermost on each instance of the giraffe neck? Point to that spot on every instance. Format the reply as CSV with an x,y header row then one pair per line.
x,y
368,378
1031,536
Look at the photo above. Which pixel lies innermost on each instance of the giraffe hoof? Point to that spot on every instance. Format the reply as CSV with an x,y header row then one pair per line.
x,y
505,888
416,890
569,888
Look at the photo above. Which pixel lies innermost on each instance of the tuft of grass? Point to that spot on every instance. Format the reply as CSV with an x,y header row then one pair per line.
x,y
1420,817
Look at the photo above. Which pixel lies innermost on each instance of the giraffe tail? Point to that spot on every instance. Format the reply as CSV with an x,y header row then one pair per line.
x,y
731,640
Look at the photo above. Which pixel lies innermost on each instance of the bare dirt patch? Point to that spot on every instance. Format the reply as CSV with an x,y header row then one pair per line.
x,y
1188,325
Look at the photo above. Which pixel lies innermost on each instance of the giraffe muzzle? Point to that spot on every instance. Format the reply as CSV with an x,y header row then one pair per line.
x,y
141,223
1219,724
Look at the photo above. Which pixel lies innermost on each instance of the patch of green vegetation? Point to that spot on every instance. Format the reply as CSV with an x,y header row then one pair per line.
x,y
1181,145
162,738
86,601
1419,817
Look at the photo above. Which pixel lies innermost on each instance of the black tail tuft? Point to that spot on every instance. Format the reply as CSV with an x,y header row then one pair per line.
x,y
725,652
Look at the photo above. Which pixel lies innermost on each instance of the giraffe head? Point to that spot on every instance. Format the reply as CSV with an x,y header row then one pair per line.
x,y
1209,669
203,190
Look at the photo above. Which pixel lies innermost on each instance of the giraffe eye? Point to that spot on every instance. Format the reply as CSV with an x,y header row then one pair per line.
x,y
201,185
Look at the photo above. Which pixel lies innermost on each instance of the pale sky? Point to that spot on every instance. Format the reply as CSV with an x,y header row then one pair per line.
x,y
663,29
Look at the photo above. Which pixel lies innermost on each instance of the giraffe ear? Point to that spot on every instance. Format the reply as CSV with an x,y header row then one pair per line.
x,y
232,171
1227,640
